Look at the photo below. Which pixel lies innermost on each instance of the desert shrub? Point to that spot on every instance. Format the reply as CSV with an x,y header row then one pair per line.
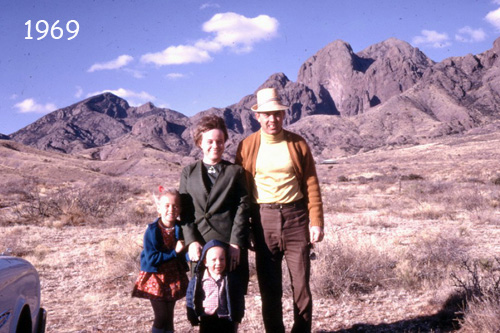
x,y
481,289
430,260
345,267
342,179
472,199
74,205
121,256
33,201
496,180
412,176
91,204
425,191
336,200
19,241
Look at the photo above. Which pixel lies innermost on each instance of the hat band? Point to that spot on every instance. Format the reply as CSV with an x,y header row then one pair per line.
x,y
274,99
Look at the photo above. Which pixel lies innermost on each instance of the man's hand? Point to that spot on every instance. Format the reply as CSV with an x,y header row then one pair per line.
x,y
234,256
194,251
316,234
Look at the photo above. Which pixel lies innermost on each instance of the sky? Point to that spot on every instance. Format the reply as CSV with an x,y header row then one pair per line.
x,y
190,55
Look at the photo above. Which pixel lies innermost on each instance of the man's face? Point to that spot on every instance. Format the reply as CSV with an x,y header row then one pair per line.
x,y
215,261
271,122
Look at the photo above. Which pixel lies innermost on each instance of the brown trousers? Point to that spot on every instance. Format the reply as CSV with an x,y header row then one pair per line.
x,y
283,232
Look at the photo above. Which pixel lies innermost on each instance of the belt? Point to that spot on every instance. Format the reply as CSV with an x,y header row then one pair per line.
x,y
294,204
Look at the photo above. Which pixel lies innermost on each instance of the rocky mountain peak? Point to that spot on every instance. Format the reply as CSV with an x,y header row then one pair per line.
x,y
496,45
357,82
277,80
107,103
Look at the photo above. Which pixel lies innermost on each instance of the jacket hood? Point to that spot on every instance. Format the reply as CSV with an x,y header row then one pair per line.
x,y
207,246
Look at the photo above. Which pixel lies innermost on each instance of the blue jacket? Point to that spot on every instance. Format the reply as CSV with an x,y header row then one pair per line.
x,y
235,294
153,255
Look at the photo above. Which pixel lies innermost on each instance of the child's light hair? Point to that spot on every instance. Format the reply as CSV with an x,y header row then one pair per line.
x,y
164,191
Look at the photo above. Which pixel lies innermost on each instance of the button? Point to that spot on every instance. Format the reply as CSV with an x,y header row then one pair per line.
x,y
208,216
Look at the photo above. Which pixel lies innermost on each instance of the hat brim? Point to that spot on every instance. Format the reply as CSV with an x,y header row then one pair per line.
x,y
269,107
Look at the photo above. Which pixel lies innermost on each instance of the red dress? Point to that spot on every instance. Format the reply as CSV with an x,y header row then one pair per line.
x,y
170,282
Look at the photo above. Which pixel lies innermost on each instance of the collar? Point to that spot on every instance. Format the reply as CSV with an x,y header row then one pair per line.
x,y
207,276
269,139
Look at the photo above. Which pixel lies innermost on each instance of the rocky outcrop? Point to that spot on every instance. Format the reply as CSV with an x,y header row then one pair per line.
x,y
358,82
100,120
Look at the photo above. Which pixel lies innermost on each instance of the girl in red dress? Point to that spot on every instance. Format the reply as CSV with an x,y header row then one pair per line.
x,y
163,278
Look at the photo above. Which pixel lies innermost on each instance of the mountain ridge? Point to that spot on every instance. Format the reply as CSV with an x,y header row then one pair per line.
x,y
390,93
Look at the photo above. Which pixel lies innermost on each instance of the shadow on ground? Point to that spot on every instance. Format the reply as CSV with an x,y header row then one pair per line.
x,y
446,320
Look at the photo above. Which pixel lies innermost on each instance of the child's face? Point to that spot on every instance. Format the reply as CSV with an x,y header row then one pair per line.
x,y
215,261
168,207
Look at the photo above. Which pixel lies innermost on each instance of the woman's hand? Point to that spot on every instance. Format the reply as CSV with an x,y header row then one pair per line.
x,y
179,246
234,256
194,251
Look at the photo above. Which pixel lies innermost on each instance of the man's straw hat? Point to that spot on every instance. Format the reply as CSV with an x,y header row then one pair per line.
x,y
268,100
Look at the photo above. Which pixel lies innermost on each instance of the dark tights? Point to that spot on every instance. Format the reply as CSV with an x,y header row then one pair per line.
x,y
164,314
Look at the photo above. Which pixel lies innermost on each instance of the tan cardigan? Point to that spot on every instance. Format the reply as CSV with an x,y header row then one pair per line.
x,y
303,165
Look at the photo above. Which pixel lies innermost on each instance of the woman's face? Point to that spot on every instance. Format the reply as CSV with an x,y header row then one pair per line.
x,y
212,144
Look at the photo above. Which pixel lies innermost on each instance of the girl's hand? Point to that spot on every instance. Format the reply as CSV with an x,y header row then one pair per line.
x,y
234,256
179,246
194,251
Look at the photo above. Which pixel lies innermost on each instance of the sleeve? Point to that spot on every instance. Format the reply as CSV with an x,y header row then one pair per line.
x,y
239,158
240,229
153,255
312,189
189,228
190,302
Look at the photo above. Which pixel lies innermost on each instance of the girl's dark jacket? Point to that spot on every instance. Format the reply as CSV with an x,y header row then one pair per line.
x,y
233,289
153,253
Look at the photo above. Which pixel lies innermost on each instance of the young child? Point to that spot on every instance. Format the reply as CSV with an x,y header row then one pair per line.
x,y
163,278
215,299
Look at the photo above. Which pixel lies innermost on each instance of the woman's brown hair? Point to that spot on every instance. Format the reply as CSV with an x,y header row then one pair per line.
x,y
208,123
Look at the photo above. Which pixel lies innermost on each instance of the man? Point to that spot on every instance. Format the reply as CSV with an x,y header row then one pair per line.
x,y
288,212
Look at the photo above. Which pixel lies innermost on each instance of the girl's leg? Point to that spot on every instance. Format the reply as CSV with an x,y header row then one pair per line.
x,y
164,316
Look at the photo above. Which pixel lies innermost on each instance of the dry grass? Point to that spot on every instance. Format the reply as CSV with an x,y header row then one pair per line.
x,y
399,224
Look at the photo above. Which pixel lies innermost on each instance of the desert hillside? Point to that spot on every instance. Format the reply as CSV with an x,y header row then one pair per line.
x,y
410,231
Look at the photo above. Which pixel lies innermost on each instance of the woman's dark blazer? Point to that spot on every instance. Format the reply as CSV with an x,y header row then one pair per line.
x,y
221,214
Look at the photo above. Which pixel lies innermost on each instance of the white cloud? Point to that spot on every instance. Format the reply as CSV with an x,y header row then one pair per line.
x,y
132,97
209,5
119,62
135,73
493,18
469,35
177,55
432,38
231,30
29,105
79,92
239,32
174,76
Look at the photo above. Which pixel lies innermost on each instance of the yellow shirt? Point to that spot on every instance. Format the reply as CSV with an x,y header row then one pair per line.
x,y
274,176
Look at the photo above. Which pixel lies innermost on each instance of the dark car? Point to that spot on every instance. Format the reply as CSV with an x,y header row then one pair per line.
x,y
20,310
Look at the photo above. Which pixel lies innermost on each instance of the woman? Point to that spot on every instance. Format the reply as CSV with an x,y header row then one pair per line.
x,y
215,202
